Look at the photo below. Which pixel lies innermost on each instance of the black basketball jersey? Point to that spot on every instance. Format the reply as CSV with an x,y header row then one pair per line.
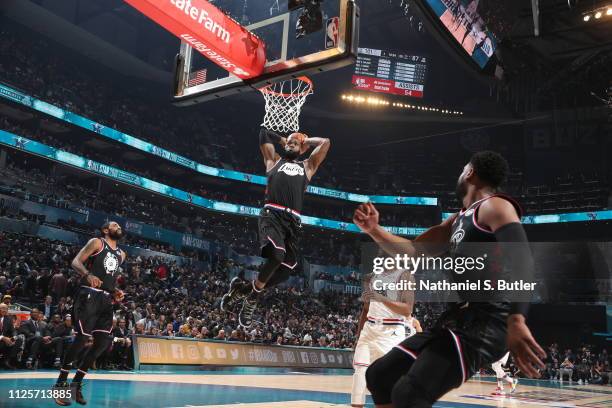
x,y
466,236
104,265
287,184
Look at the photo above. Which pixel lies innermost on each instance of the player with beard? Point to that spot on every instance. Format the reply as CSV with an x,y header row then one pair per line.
x,y
98,264
279,220
474,332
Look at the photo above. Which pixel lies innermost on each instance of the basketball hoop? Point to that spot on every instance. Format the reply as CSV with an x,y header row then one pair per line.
x,y
284,102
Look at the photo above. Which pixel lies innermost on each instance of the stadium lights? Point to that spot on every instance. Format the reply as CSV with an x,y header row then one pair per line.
x,y
376,101
597,13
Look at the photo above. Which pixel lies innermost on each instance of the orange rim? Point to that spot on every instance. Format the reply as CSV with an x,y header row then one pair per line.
x,y
268,88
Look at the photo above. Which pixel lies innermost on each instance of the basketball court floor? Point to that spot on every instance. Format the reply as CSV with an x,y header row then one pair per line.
x,y
276,388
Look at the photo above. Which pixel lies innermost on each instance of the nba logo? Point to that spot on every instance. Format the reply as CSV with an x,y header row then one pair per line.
x,y
331,33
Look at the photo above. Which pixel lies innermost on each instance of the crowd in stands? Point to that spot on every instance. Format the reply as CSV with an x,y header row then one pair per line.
x,y
28,182
584,365
162,298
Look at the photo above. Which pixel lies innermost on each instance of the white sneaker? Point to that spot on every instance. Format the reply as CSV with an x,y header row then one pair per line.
x,y
514,384
580,382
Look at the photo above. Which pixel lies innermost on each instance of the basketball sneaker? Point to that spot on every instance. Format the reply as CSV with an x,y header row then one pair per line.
x,y
499,391
77,392
249,305
238,290
62,392
514,384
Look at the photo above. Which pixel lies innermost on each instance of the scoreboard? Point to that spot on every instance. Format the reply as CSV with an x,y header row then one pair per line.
x,y
390,72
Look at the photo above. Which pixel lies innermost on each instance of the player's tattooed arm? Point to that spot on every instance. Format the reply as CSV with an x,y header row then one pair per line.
x,y
436,238
318,154
93,246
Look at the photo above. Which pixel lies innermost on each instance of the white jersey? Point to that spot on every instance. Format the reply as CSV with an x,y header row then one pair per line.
x,y
382,331
378,310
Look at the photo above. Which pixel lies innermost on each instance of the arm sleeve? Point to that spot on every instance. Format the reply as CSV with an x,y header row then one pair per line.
x,y
518,261
267,136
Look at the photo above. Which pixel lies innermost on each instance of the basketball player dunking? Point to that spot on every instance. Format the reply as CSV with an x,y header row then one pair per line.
x,y
386,320
97,263
279,220
469,335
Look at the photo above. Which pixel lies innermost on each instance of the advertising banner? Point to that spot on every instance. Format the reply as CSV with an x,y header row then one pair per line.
x,y
176,350
209,31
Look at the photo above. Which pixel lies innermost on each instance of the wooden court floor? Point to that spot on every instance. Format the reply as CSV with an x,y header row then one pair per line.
x,y
276,390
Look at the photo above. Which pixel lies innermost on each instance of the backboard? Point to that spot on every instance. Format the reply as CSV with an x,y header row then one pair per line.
x,y
328,39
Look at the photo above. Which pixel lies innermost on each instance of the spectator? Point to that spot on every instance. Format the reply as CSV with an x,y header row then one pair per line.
x,y
8,345
58,285
220,335
122,346
62,337
169,331
35,332
567,367
47,308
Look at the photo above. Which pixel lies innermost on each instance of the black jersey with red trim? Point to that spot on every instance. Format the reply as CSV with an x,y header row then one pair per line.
x,y
104,265
287,182
466,236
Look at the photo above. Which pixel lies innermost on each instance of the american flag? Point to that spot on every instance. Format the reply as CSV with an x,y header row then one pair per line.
x,y
197,77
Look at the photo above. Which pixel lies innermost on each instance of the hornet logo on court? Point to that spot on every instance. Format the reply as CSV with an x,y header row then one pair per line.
x,y
292,169
111,263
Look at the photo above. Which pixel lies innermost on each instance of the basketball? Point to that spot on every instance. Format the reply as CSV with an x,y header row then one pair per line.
x,y
300,137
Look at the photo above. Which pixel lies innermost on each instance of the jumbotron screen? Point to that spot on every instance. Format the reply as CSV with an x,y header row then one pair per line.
x,y
464,23
390,72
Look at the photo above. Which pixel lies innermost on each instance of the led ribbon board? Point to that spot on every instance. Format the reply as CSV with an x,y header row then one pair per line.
x,y
110,172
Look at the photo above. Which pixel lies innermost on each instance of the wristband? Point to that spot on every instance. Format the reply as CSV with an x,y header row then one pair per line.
x,y
267,136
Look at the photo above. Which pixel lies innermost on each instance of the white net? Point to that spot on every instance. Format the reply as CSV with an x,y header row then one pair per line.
x,y
284,102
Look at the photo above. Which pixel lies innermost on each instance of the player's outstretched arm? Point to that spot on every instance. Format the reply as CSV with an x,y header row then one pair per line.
x,y
267,139
317,156
93,246
366,217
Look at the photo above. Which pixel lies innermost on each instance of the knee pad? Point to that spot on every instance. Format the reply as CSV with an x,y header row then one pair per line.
x,y
406,394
